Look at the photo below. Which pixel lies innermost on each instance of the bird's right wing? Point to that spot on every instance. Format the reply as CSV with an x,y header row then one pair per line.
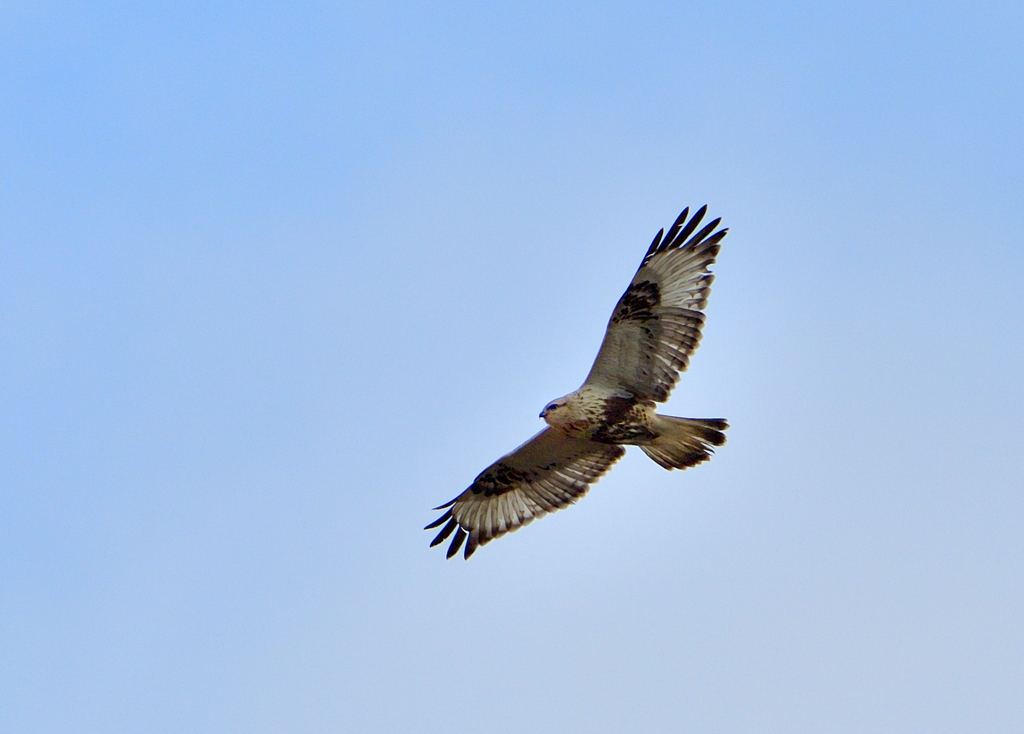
x,y
656,324
548,472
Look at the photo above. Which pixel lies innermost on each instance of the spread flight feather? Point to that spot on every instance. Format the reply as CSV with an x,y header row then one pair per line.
x,y
653,330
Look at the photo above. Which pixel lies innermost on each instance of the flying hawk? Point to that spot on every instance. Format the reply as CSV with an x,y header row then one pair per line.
x,y
654,329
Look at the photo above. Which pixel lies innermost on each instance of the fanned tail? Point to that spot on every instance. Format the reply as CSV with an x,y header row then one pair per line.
x,y
684,442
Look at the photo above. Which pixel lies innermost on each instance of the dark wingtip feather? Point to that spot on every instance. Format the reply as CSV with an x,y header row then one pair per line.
x,y
456,543
445,532
446,504
439,520
716,237
708,229
683,233
471,545
656,242
673,231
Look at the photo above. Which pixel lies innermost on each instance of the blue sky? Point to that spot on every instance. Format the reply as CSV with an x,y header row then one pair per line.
x,y
275,281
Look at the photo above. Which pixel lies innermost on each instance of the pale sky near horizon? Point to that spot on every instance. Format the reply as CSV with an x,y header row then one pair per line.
x,y
276,280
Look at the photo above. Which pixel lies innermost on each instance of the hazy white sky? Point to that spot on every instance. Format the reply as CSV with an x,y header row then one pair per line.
x,y
275,281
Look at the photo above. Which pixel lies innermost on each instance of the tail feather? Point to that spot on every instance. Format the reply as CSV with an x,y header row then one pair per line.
x,y
684,442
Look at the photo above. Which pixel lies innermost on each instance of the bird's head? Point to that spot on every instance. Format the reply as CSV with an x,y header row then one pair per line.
x,y
558,413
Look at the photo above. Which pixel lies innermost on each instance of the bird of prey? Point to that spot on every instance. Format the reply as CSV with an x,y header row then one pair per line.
x,y
654,329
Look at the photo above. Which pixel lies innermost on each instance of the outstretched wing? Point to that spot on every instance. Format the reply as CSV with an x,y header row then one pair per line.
x,y
548,472
656,324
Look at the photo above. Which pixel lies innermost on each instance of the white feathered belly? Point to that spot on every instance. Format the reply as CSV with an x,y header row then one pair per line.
x,y
606,418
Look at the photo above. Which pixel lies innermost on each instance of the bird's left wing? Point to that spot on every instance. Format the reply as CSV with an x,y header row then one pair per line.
x,y
656,324
548,472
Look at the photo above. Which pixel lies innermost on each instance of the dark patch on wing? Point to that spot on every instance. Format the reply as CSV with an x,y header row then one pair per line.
x,y
656,325
548,472
638,302
499,479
